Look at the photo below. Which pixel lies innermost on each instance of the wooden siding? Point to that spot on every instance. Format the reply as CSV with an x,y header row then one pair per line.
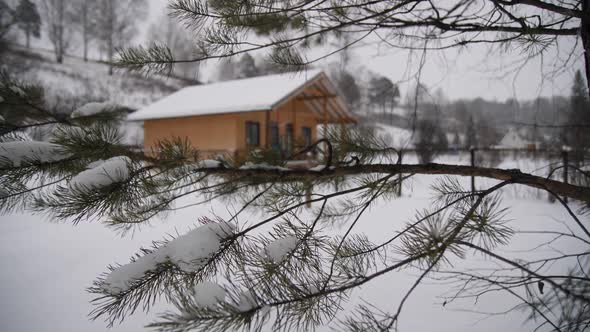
x,y
208,133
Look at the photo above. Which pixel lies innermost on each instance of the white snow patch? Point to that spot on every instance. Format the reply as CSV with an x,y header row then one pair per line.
x,y
19,152
95,163
123,277
112,170
192,250
189,252
246,301
264,166
208,294
17,90
92,108
318,168
278,249
209,163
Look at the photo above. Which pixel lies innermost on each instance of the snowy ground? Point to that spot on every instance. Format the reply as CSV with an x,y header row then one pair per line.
x,y
45,266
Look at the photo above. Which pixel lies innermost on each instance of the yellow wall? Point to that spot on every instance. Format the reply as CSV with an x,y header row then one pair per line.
x,y
213,134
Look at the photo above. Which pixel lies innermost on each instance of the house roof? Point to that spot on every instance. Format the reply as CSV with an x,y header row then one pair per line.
x,y
244,95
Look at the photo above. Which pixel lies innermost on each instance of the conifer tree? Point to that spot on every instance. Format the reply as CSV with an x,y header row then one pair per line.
x,y
246,67
29,19
383,94
579,113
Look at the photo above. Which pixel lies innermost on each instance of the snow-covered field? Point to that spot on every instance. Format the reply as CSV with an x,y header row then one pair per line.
x,y
45,266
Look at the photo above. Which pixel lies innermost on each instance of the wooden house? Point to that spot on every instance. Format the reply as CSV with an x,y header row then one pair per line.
x,y
281,112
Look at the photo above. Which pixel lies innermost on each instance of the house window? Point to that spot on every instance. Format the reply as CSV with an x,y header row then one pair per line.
x,y
306,132
252,133
274,136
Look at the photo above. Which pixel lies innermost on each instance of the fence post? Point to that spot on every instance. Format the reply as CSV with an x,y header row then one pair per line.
x,y
565,155
399,176
472,152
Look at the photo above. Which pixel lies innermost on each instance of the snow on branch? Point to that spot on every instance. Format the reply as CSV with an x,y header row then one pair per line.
x,y
189,252
278,249
19,153
93,108
101,174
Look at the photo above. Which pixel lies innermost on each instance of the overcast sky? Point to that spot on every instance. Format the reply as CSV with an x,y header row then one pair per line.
x,y
471,73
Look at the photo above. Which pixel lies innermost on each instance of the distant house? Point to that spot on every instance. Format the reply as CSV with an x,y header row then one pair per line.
x,y
516,139
276,111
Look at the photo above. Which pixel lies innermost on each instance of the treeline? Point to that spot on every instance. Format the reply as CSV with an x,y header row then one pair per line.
x,y
99,26
95,28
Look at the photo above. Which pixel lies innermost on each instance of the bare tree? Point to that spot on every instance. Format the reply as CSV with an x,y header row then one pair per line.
x,y
58,25
182,43
84,14
117,24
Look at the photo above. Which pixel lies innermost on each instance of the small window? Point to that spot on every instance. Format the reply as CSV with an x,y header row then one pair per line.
x,y
306,132
252,133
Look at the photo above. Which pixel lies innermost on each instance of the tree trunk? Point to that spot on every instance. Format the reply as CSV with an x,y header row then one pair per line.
x,y
85,31
585,33
85,49
111,46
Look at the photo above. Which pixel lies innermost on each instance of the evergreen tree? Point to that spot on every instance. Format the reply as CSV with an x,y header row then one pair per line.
x,y
384,94
29,19
471,134
579,117
349,88
431,140
246,67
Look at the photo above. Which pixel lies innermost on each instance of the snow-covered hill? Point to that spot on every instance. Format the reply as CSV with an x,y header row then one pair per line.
x,y
75,82
88,81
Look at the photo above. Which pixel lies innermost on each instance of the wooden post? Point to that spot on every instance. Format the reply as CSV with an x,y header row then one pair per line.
x,y
472,152
325,124
565,155
399,176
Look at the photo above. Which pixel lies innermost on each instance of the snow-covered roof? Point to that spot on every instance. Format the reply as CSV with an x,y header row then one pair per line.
x,y
243,95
